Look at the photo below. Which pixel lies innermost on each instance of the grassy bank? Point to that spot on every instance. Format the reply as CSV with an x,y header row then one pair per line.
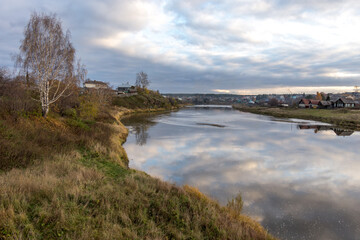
x,y
345,118
68,178
145,100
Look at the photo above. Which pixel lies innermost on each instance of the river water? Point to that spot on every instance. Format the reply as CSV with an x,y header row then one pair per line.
x,y
300,179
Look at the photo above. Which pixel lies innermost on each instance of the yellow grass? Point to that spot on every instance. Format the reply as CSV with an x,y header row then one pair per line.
x,y
78,186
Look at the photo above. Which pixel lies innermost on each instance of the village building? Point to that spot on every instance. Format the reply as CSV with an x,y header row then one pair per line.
x,y
344,103
126,88
308,103
304,103
313,103
93,84
340,103
325,104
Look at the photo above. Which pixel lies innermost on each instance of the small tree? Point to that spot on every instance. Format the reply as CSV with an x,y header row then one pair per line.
x,y
142,80
319,96
47,56
273,102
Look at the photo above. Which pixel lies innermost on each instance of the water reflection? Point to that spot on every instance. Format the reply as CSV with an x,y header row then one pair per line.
x,y
317,128
298,184
138,125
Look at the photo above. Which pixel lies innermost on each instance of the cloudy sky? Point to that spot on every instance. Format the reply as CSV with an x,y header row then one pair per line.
x,y
225,46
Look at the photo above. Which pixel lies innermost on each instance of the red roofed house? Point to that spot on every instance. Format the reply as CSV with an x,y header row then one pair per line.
x,y
313,103
304,103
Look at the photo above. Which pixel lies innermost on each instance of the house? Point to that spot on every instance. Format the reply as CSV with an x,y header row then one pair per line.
x,y
325,104
304,103
93,84
344,103
126,88
309,103
313,103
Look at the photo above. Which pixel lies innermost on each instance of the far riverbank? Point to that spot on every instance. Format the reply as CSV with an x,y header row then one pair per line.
x,y
346,118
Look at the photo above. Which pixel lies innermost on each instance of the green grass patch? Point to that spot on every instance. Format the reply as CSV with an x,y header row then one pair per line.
x,y
104,164
78,123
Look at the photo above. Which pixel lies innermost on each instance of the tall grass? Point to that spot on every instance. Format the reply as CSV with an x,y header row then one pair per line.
x,y
74,183
64,199
146,99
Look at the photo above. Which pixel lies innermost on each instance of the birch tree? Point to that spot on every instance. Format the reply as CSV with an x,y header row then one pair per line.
x,y
142,80
48,56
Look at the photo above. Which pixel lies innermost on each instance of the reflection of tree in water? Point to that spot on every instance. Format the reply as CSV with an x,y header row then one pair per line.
x,y
139,125
141,134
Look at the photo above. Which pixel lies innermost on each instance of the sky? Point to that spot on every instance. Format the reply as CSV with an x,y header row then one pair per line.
x,y
196,46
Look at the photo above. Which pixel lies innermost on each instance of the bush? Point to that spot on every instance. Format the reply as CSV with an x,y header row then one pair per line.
x,y
77,123
15,97
236,204
70,112
146,99
89,107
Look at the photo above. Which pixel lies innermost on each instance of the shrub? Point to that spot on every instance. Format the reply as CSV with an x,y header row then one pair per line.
x,y
88,107
70,112
77,123
236,204
15,98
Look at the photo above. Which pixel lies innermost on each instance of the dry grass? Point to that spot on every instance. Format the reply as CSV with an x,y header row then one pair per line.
x,y
146,99
79,187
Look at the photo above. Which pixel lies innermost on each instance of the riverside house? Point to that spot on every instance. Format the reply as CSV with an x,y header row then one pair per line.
x,y
344,103
126,89
340,103
313,103
326,104
308,103
89,84
304,103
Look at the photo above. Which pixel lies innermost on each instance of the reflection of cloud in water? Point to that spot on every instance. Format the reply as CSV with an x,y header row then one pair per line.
x,y
301,185
323,128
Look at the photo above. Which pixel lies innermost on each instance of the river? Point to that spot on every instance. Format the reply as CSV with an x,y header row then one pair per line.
x,y
300,179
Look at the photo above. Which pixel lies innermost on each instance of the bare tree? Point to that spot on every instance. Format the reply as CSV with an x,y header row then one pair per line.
x,y
142,80
273,102
4,78
47,56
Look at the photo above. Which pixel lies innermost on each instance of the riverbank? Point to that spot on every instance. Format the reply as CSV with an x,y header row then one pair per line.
x,y
71,180
345,118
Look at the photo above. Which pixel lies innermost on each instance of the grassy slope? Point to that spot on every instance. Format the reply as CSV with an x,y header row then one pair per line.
x,y
146,99
71,181
342,117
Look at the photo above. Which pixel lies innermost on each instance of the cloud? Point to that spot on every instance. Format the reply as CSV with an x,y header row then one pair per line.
x,y
199,46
